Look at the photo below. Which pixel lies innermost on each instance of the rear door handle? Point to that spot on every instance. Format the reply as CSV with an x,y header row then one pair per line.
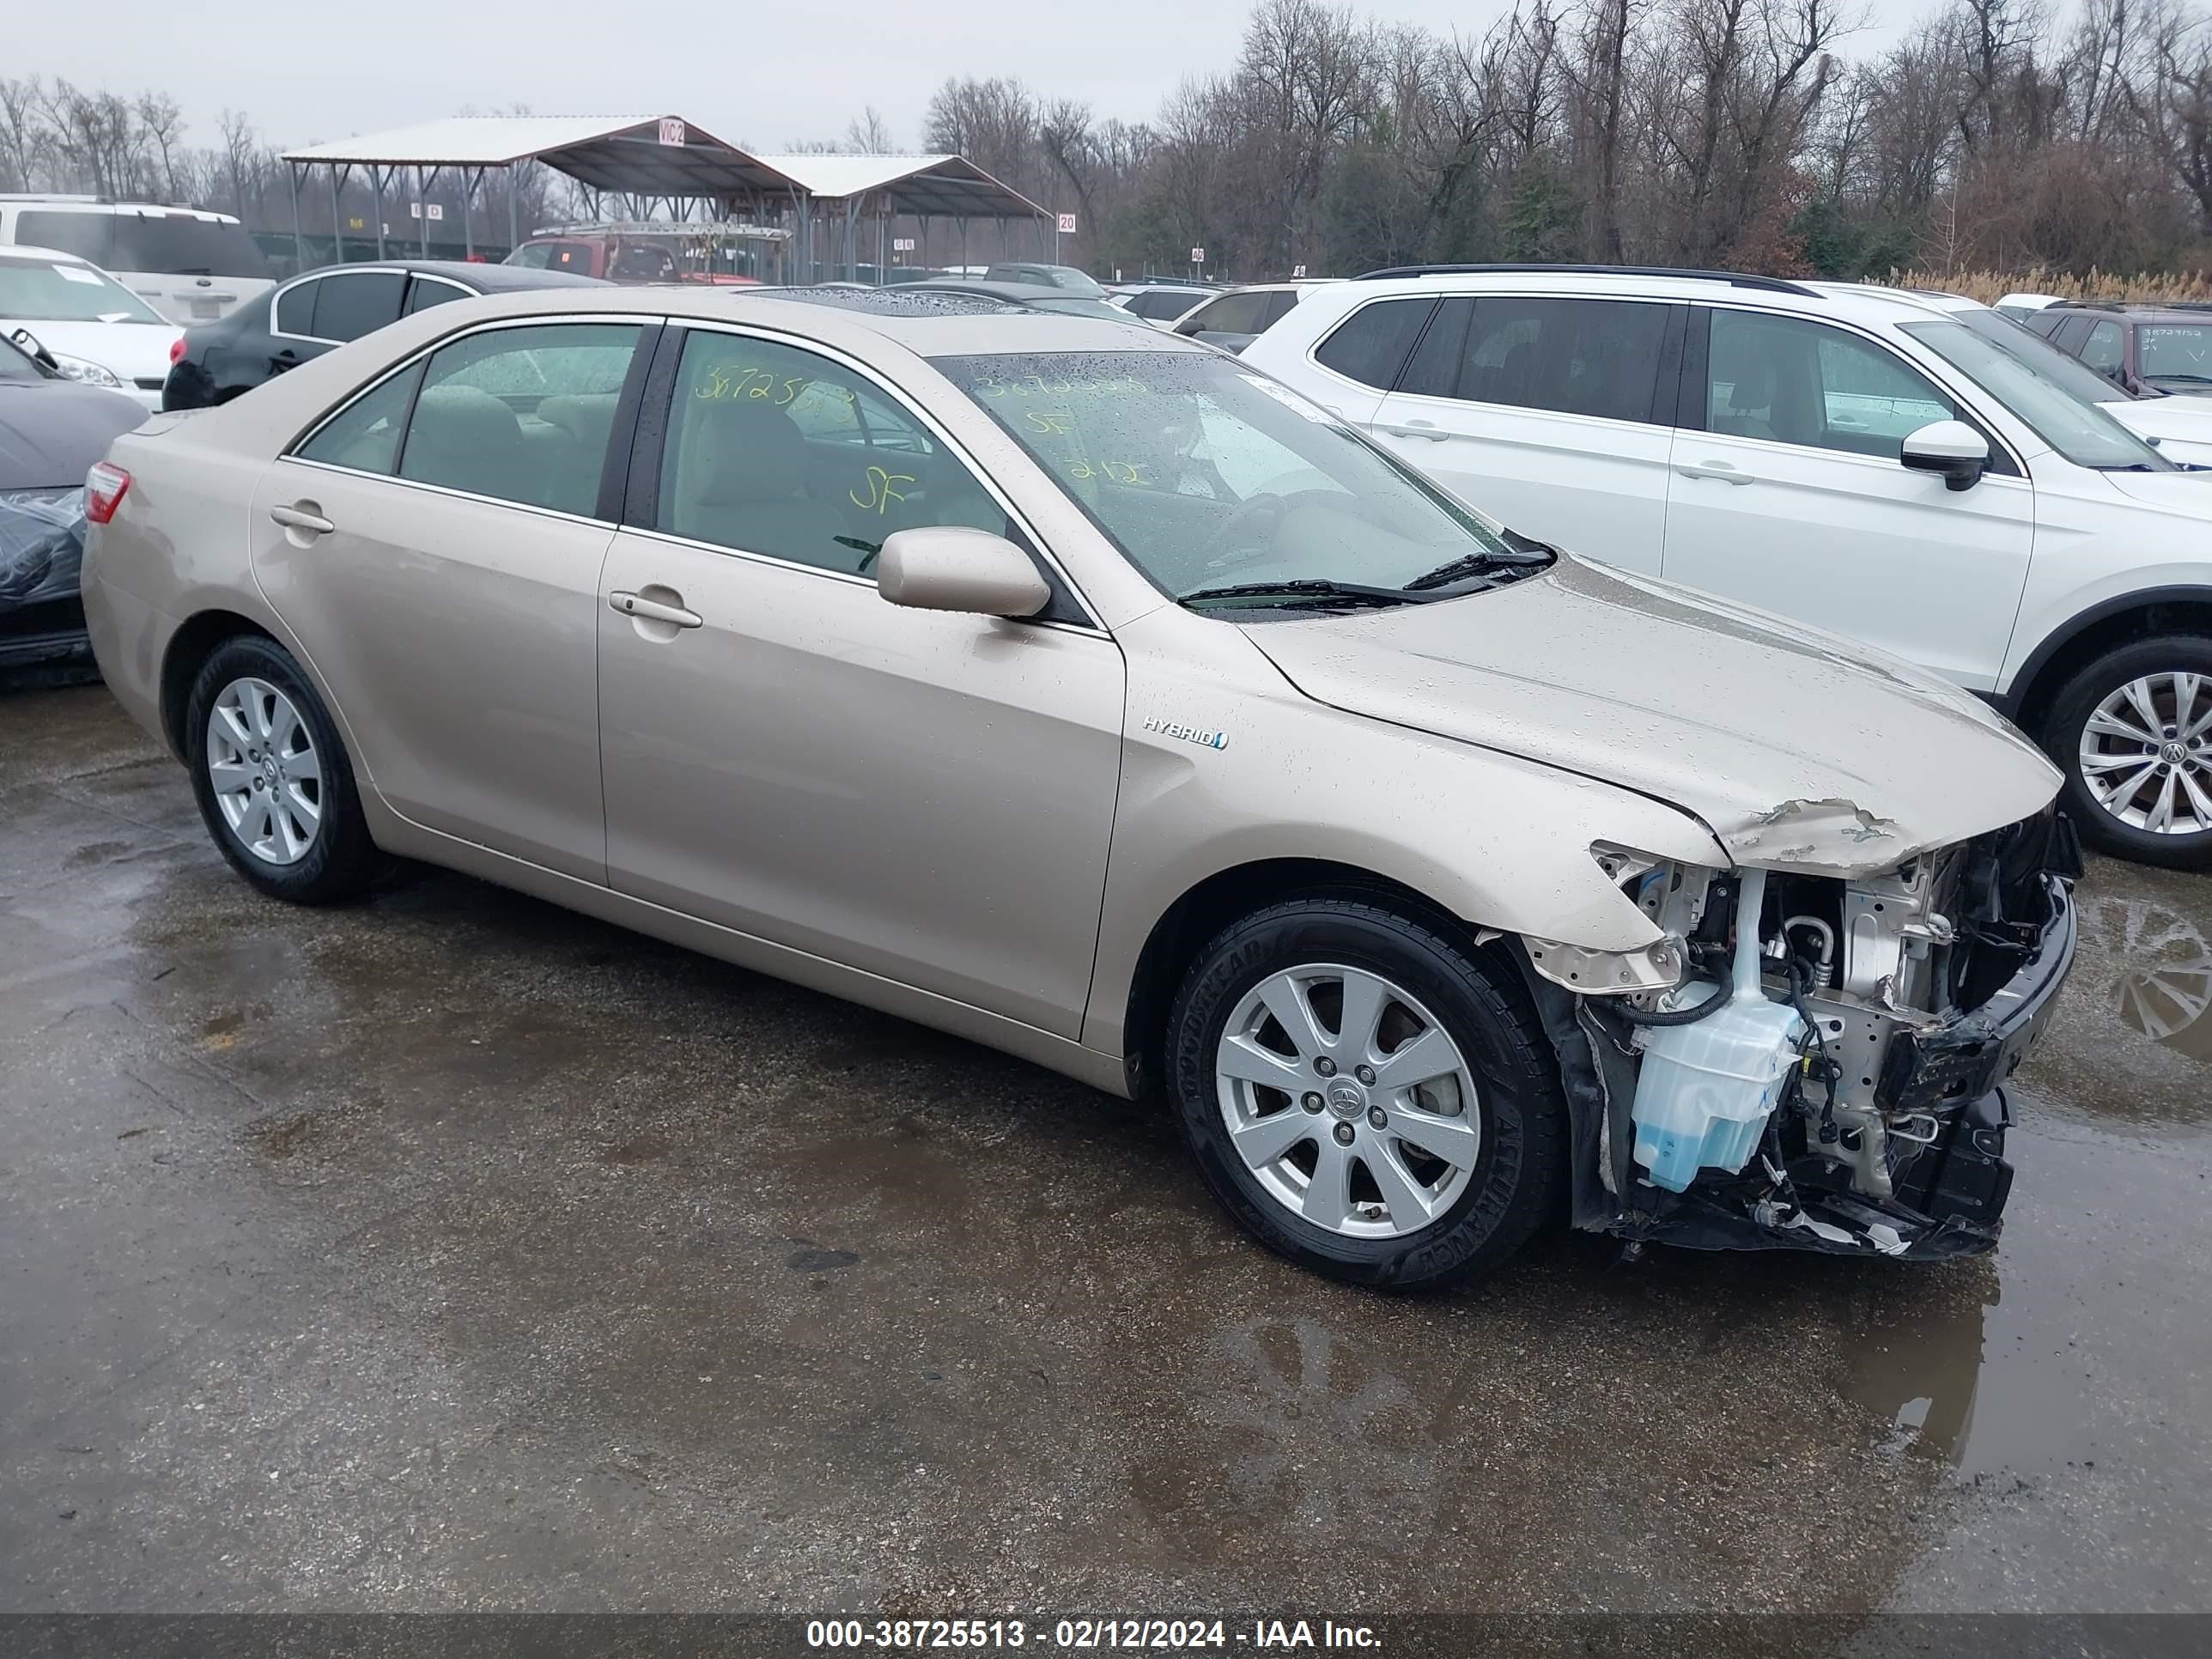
x,y
298,518
1421,429
631,604
1721,470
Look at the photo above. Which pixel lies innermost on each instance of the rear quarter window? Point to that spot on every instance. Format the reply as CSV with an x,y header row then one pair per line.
x,y
1369,346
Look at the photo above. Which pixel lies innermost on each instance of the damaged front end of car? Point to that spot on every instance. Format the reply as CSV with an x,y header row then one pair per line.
x,y
1830,1080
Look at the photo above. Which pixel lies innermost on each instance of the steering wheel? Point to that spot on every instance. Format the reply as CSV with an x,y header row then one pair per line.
x,y
1247,517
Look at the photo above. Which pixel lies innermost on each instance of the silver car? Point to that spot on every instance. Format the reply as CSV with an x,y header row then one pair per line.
x,y
1070,687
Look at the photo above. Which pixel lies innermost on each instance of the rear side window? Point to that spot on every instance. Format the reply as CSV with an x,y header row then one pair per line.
x,y
1369,346
353,303
1598,357
1434,370
365,435
521,415
2044,322
1279,307
423,292
295,308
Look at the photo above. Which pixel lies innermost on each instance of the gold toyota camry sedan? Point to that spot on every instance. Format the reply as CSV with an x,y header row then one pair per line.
x,y
1070,686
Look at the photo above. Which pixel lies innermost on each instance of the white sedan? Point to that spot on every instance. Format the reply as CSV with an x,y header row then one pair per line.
x,y
85,323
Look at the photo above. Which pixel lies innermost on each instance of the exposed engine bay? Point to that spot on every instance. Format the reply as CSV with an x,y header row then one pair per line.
x,y
1828,1079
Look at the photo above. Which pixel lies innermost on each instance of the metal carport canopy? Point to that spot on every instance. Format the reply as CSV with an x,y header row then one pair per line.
x,y
948,184
621,153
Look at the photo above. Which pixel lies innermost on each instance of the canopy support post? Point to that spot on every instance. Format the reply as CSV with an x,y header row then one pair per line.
x,y
298,247
422,214
376,192
337,214
513,236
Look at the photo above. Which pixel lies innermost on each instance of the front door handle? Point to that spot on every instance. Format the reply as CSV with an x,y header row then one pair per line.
x,y
1421,429
633,605
1721,470
299,518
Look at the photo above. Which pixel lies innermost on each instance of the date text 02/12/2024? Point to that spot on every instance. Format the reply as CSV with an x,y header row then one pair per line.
x,y
1081,1635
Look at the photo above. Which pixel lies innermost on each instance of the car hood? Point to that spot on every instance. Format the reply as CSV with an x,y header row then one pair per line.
x,y
2183,425
51,431
1800,750
2186,493
131,351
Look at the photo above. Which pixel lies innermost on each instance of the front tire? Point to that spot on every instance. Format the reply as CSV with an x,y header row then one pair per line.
x,y
2132,731
1364,1096
272,779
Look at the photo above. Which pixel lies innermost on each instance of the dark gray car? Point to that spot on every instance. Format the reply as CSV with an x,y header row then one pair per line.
x,y
51,431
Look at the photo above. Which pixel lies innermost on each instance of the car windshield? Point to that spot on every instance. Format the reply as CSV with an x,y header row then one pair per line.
x,y
181,244
2041,386
2180,352
1208,476
57,291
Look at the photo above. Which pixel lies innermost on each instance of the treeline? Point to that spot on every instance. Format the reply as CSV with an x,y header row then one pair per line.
x,y
1996,137
1703,132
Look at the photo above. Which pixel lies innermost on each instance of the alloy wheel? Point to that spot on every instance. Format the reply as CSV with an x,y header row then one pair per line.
x,y
2146,753
268,778
1348,1101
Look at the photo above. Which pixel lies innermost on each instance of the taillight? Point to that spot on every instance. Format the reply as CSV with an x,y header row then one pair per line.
x,y
103,490
176,349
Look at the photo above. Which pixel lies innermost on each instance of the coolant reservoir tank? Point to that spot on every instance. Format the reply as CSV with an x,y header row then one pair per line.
x,y
1706,1088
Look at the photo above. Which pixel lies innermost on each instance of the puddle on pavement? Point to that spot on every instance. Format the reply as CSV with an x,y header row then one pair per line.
x,y
2162,987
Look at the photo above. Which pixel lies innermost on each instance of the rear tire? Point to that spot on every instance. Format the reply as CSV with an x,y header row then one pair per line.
x,y
2132,731
272,779
1437,1144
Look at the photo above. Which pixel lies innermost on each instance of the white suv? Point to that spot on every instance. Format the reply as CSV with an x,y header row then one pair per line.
x,y
190,265
1925,479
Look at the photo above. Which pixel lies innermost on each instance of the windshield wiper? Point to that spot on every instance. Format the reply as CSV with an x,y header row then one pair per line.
x,y
2193,379
1306,590
1524,557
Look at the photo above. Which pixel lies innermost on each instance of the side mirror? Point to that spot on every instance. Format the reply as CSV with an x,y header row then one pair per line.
x,y
952,568
1950,447
33,348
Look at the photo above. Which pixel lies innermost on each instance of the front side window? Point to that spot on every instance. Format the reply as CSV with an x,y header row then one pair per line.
x,y
1232,313
2174,354
365,435
1794,382
1206,475
2106,348
781,451
354,303
1369,346
1162,305
1596,357
62,291
522,415
2042,388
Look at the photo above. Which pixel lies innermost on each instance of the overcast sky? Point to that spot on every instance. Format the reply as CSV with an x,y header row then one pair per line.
x,y
762,73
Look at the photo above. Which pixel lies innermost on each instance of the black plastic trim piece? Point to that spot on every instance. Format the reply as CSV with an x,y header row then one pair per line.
x,y
1735,278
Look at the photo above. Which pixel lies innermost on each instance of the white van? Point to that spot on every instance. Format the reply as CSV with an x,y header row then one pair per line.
x,y
191,266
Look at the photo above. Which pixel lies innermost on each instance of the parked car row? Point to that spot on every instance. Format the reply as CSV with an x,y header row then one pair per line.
x,y
1076,687
1914,472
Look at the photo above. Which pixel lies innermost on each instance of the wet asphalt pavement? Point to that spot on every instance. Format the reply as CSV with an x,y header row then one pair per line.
x,y
450,1251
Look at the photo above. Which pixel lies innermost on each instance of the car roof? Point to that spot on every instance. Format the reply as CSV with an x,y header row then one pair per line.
x,y
929,323
80,205
1859,302
490,278
45,256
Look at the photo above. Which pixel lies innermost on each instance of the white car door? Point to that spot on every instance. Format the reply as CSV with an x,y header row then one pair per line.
x,y
1787,493
1543,413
